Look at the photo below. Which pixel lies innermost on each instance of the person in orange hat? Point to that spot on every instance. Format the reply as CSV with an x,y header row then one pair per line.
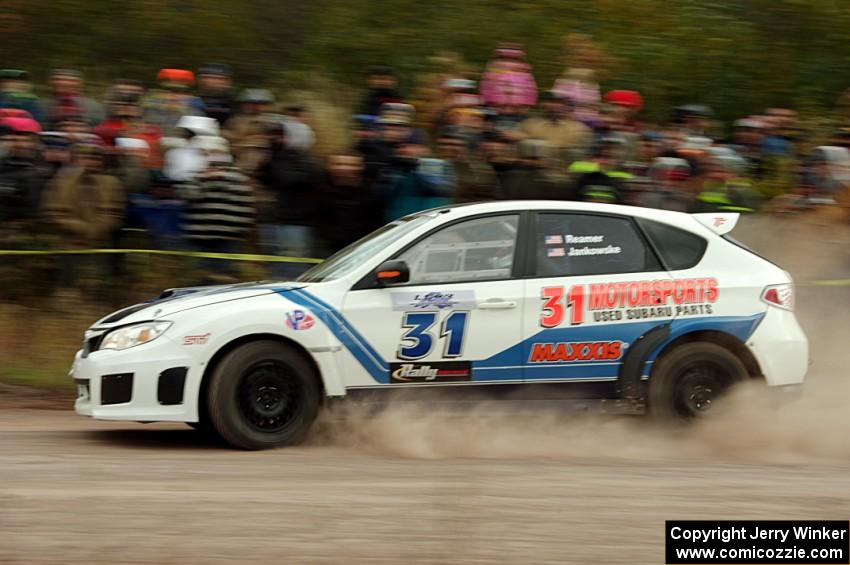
x,y
165,105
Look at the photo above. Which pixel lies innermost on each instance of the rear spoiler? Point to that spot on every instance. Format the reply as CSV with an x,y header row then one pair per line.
x,y
720,223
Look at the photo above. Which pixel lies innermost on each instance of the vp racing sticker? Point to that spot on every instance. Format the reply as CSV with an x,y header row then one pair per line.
x,y
299,320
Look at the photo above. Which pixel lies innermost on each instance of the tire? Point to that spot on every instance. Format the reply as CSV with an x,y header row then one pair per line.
x,y
203,426
263,394
687,381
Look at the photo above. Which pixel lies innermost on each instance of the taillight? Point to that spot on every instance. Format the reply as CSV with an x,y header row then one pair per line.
x,y
781,295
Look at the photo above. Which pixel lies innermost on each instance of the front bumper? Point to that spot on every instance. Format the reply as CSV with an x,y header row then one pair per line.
x,y
156,381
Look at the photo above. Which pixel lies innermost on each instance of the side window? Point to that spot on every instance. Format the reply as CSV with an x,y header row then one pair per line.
x,y
679,249
586,244
474,250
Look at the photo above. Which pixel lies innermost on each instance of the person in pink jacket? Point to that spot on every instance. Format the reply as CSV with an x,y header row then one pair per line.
x,y
578,86
508,78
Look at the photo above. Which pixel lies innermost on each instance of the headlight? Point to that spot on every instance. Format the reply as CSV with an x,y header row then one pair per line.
x,y
131,336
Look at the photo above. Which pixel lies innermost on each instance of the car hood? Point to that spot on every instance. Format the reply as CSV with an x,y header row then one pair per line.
x,y
175,300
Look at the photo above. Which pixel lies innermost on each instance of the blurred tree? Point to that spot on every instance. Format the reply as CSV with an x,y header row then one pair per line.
x,y
14,29
738,56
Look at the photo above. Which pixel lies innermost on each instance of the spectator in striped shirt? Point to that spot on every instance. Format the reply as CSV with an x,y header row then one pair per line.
x,y
220,210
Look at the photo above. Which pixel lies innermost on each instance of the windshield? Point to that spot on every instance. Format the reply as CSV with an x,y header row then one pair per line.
x,y
343,262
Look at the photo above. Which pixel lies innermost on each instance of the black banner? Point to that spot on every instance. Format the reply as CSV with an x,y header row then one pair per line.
x,y
762,542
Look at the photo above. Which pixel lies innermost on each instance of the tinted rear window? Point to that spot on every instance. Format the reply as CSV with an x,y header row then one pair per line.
x,y
679,249
570,244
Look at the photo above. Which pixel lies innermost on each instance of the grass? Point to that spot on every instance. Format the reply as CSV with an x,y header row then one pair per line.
x,y
41,327
37,344
52,377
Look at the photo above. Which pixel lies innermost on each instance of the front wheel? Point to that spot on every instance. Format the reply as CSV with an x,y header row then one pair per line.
x,y
687,382
263,394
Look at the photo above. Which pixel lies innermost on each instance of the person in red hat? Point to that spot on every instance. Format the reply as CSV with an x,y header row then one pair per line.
x,y
625,98
21,124
619,117
20,180
623,106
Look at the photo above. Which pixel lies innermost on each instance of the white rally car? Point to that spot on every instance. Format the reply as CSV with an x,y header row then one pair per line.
x,y
543,299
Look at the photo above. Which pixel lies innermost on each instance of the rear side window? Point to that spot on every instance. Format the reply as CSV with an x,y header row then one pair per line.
x,y
589,244
679,249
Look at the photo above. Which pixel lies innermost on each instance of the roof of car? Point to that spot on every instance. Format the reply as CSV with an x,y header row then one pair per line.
x,y
473,208
681,220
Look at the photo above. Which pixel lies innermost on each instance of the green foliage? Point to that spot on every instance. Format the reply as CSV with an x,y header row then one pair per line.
x,y
738,56
780,178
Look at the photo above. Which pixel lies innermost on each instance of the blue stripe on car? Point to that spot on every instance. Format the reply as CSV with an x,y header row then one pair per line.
x,y
349,337
502,365
511,363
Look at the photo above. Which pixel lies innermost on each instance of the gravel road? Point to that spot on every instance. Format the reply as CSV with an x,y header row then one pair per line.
x,y
425,487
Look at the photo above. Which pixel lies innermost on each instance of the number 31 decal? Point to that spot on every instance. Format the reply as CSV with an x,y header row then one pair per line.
x,y
417,342
554,307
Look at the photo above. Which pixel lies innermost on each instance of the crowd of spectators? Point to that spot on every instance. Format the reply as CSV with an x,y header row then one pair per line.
x,y
196,164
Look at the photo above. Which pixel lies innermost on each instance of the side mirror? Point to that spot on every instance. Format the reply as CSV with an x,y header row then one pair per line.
x,y
392,272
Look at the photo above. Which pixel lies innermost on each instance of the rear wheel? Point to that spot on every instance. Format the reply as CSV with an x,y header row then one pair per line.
x,y
688,381
263,394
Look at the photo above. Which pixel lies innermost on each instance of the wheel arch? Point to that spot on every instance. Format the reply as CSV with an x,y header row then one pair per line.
x,y
249,338
653,345
718,337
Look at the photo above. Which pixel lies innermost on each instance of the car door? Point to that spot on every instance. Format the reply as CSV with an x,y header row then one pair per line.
x,y
593,288
461,306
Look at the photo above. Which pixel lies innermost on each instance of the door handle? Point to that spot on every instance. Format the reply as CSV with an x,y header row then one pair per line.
x,y
496,304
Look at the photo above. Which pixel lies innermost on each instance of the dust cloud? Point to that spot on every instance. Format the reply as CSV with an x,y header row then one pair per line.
x,y
752,424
